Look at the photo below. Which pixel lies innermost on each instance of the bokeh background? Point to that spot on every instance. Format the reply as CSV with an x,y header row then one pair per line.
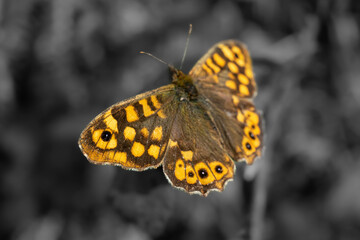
x,y
64,61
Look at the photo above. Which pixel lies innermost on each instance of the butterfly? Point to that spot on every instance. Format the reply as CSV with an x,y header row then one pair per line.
x,y
196,127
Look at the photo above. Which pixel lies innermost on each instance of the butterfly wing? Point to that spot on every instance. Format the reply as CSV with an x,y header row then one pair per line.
x,y
227,65
132,134
239,125
195,160
225,78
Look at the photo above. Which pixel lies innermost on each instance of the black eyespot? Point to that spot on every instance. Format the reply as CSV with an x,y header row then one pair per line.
x,y
218,169
180,165
236,55
253,126
251,135
106,136
203,173
191,174
248,146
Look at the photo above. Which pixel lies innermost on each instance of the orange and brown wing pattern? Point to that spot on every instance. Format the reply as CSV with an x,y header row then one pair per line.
x,y
226,65
132,134
195,160
225,78
238,123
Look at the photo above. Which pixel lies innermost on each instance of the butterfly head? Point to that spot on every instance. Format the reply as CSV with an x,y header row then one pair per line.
x,y
183,81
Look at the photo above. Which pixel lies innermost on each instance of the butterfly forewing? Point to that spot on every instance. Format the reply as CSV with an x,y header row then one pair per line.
x,y
227,65
132,134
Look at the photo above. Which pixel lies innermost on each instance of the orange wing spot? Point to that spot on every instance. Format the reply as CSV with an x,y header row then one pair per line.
x,y
230,84
191,177
96,134
240,117
249,72
157,133
227,52
137,149
120,157
110,121
233,67
161,114
210,63
231,76
207,69
187,155
96,137
237,50
240,62
180,170
155,101
219,60
235,100
244,90
252,137
146,108
251,116
101,144
205,176
247,147
144,132
154,151
254,127
218,169
243,79
240,59
173,143
131,114
129,133
238,149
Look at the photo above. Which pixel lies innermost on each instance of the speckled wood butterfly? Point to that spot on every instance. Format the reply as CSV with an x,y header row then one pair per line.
x,y
195,127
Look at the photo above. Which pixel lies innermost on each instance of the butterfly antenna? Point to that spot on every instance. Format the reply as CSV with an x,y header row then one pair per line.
x,y
186,46
149,54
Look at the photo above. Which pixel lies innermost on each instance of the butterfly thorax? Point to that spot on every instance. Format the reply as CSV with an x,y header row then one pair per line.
x,y
184,83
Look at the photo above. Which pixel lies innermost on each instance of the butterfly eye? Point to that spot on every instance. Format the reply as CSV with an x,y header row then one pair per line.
x,y
203,173
248,146
105,136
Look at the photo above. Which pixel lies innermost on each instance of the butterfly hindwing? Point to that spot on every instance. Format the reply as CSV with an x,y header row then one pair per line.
x,y
196,160
239,125
133,133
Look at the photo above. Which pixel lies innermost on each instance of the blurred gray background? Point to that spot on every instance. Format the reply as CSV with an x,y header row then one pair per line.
x,y
64,61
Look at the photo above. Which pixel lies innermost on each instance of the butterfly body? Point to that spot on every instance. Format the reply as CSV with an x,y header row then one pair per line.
x,y
196,127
